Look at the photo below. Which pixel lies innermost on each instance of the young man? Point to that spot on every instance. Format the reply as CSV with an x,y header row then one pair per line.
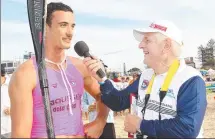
x,y
171,96
67,79
5,105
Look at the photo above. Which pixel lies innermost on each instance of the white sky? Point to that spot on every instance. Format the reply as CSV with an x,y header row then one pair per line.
x,y
194,17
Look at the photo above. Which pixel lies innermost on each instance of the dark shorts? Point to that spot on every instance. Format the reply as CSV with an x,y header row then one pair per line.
x,y
109,131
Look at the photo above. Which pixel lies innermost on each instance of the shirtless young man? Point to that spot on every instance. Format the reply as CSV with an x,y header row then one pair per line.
x,y
67,78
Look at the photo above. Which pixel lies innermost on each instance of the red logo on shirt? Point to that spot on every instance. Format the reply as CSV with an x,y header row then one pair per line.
x,y
144,84
54,85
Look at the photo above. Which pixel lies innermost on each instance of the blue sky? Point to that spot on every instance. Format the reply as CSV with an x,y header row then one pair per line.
x,y
107,26
19,13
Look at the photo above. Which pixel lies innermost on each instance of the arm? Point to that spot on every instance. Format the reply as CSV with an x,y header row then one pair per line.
x,y
191,106
92,86
118,100
20,92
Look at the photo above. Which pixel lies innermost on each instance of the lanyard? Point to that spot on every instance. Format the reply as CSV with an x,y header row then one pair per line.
x,y
171,72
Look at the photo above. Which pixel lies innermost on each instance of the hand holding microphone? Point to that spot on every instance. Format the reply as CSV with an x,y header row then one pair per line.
x,y
93,64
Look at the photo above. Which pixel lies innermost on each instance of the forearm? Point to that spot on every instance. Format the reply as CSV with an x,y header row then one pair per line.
x,y
102,111
116,103
19,134
18,126
20,122
117,100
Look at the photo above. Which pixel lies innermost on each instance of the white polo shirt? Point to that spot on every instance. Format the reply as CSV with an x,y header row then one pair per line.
x,y
169,103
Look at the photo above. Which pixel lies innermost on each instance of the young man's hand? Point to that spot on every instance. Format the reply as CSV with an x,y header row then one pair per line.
x,y
94,129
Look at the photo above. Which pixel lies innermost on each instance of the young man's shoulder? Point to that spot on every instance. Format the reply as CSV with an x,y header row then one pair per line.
x,y
25,71
78,63
27,66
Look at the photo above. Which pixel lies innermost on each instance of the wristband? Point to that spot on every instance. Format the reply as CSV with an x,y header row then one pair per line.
x,y
101,83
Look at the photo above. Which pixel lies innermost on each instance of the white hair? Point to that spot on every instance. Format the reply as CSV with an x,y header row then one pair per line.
x,y
176,47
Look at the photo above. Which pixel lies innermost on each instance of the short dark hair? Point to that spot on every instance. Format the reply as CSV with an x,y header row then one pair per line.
x,y
56,6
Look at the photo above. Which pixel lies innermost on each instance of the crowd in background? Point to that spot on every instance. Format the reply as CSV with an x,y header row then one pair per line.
x,y
120,82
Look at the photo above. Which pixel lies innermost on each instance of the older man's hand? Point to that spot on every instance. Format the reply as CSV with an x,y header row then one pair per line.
x,y
132,123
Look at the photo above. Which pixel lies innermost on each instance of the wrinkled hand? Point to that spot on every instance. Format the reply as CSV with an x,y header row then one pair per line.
x,y
94,129
7,111
132,123
92,107
93,65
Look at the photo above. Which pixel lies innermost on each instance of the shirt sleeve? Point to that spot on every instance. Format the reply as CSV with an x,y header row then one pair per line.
x,y
117,100
191,107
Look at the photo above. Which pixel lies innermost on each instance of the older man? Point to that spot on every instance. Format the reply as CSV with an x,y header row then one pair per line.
x,y
171,98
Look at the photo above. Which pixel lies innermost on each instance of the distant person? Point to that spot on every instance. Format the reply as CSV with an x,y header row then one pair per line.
x,y
5,105
127,79
84,111
124,84
135,76
116,77
208,79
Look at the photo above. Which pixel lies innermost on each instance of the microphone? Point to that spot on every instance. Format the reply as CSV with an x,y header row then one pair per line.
x,y
82,50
